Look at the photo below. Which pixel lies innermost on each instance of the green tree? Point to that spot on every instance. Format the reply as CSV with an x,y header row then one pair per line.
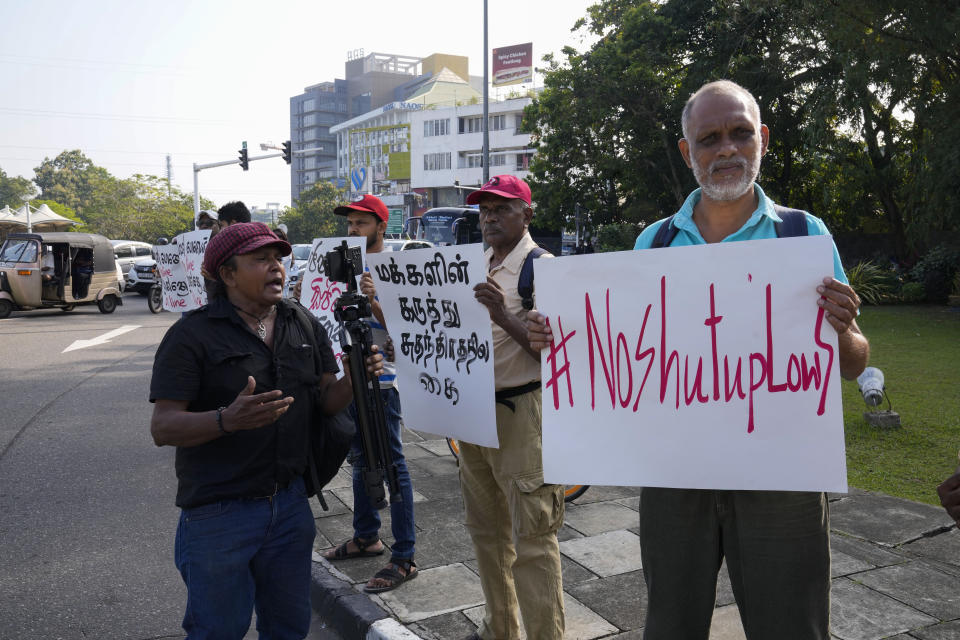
x,y
860,99
138,208
14,189
313,216
71,179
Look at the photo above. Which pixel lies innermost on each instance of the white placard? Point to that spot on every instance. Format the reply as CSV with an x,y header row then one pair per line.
x,y
442,338
179,265
318,293
706,366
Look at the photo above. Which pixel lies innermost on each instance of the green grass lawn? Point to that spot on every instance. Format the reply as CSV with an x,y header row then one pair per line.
x,y
918,350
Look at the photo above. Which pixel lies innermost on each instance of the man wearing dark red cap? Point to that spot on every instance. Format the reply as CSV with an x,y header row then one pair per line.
x,y
234,386
512,516
368,217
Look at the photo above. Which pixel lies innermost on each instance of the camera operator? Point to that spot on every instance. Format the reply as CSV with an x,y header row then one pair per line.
x,y
368,218
235,392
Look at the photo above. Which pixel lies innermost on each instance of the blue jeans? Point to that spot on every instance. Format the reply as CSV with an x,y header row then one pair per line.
x,y
235,555
366,519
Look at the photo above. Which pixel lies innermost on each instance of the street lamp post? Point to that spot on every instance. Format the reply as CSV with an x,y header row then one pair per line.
x,y
27,197
486,99
197,168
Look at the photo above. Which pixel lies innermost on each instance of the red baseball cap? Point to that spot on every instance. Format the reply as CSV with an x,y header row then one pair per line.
x,y
368,204
505,186
238,239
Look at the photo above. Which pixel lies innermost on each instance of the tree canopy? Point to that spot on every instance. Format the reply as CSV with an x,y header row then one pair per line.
x,y
860,100
313,215
140,207
14,190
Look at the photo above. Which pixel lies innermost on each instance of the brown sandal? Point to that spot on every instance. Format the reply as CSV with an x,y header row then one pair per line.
x,y
342,552
392,576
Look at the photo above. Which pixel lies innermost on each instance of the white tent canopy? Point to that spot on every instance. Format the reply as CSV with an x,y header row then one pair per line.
x,y
41,219
8,215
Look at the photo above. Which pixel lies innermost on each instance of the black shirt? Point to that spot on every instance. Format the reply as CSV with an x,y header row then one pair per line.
x,y
205,359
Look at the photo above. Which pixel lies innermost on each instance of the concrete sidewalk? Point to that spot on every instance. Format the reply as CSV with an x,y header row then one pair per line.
x,y
896,565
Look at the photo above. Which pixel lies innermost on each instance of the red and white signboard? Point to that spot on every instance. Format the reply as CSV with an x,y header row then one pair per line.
x,y
513,65
706,367
179,267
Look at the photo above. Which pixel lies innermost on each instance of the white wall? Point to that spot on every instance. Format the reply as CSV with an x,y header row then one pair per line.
x,y
456,144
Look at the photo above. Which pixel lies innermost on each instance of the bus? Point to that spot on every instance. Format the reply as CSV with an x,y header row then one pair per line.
x,y
460,225
438,225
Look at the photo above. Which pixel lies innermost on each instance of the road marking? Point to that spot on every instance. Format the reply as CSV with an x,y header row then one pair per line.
x,y
105,338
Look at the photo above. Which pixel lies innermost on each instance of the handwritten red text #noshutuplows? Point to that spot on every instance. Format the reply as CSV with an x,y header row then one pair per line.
x,y
727,379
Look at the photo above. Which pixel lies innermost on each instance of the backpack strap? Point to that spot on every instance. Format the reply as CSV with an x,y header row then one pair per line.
x,y
794,222
525,283
307,326
665,234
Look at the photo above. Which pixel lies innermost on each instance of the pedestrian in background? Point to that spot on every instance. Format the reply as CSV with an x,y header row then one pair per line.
x,y
949,492
232,213
208,220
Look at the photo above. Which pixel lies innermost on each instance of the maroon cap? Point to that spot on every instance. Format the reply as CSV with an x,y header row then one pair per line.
x,y
367,204
238,239
504,186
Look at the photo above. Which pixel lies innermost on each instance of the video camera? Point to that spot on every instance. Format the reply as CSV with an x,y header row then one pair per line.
x,y
344,264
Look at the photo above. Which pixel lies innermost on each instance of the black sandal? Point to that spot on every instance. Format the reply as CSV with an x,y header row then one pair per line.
x,y
342,553
392,576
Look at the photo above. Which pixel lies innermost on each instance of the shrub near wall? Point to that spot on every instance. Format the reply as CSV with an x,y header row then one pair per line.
x,y
936,272
874,283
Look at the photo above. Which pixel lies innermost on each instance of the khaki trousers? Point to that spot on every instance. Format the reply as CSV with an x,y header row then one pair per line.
x,y
513,519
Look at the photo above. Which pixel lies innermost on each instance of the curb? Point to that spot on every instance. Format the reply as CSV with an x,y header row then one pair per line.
x,y
348,611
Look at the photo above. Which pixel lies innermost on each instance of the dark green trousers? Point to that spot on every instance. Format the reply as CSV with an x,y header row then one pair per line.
x,y
777,547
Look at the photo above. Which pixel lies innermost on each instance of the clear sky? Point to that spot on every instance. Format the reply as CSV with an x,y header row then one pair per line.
x,y
128,82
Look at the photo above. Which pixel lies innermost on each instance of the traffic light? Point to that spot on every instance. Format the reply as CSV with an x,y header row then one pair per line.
x,y
244,161
287,153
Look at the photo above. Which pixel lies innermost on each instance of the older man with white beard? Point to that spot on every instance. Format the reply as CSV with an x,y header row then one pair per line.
x,y
776,543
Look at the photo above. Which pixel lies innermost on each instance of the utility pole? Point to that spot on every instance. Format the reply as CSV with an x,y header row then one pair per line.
x,y
486,100
169,174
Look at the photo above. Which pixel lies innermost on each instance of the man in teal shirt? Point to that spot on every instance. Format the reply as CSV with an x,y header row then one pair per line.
x,y
776,543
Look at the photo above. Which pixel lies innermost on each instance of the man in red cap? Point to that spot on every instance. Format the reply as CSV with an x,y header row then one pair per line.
x,y
234,386
512,516
368,217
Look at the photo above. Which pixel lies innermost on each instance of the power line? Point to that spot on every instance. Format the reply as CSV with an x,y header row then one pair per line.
x,y
88,149
65,63
119,117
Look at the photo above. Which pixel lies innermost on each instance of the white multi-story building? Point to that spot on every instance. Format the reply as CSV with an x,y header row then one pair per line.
x,y
423,154
373,150
446,146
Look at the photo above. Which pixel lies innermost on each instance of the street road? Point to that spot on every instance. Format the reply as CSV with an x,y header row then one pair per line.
x,y
87,519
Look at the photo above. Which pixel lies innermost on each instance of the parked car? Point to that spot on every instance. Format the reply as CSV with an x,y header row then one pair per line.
x,y
129,252
404,244
300,256
141,276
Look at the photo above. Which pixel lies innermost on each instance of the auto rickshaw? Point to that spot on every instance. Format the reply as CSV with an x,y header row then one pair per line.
x,y
57,270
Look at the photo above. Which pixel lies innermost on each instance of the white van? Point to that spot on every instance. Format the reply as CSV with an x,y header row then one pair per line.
x,y
129,251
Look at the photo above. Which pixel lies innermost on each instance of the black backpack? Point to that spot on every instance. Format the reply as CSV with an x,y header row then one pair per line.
x,y
793,225
330,436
